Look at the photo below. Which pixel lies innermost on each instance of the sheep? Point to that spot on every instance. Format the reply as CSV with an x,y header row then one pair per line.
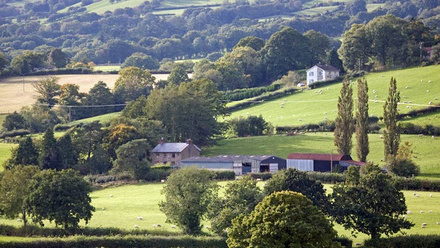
x,y
414,156
406,87
111,195
408,212
374,91
404,216
207,227
258,179
139,218
427,91
420,135
430,103
429,81
416,195
19,220
154,226
423,224
430,195
436,98
421,211
437,223
103,209
162,181
159,225
433,137
381,136
136,226
430,211
173,226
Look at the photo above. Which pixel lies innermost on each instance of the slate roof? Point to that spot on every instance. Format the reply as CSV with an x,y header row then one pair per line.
x,y
326,67
172,147
319,156
226,158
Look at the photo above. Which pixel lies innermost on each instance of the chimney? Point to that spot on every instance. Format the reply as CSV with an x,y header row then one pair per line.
x,y
160,142
189,141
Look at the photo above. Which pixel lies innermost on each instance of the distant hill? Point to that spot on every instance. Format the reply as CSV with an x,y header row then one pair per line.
x,y
418,87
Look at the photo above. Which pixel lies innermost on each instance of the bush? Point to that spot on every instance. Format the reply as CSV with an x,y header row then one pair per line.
x,y
271,96
327,177
240,94
403,167
157,174
403,183
248,126
61,127
345,242
224,175
410,128
409,241
262,176
14,133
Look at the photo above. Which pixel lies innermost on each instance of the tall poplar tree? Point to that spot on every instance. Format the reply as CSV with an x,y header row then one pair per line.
x,y
362,147
391,134
344,121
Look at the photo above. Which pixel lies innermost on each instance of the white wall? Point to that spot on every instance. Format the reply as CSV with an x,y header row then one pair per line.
x,y
299,164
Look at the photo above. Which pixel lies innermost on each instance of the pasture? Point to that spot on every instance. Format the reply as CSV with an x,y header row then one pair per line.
x,y
17,92
120,206
5,152
425,148
418,88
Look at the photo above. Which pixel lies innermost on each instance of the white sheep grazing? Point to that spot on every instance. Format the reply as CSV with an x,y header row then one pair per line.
x,y
111,195
408,212
430,195
139,218
103,209
374,91
437,223
429,81
416,195
433,137
154,225
136,226
404,216
423,224
430,211
173,226
207,227
430,103
427,91
19,220
406,87
421,211
162,181
436,98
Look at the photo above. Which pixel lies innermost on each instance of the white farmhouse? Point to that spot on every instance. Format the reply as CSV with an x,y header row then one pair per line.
x,y
321,72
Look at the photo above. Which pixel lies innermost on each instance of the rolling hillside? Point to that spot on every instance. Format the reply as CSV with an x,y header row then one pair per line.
x,y
418,87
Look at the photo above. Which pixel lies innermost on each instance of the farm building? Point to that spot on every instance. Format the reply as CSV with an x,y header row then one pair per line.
x,y
173,153
320,162
321,72
240,164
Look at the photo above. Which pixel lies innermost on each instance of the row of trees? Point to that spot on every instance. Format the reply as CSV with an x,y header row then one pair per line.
x,y
398,157
367,202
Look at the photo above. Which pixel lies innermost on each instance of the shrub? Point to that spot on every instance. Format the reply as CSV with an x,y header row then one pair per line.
x,y
262,176
224,175
403,183
14,133
403,167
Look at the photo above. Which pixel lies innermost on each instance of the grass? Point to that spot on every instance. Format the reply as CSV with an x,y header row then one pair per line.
x,y
132,201
317,10
425,148
107,68
423,120
314,106
5,152
104,119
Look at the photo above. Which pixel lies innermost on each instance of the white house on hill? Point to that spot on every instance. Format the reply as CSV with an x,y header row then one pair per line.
x,y
321,72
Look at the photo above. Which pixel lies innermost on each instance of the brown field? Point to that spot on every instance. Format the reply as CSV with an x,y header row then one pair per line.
x,y
17,92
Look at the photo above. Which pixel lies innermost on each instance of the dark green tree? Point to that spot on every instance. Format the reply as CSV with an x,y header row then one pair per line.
x,y
141,60
132,83
133,158
14,121
240,197
391,133
48,89
298,181
344,121
362,121
355,48
178,75
374,207
251,41
99,94
3,62
27,153
282,219
14,188
57,58
49,155
334,60
319,44
67,155
248,126
188,193
403,165
86,138
100,162
60,196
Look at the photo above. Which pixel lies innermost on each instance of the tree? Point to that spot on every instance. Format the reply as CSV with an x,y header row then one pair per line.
x,y
14,188
334,60
48,89
374,207
285,50
240,197
251,41
133,158
178,75
99,94
86,138
355,48
57,58
60,196
67,155
344,121
391,133
403,165
319,44
248,126
49,156
282,219
118,135
298,181
356,6
188,193
141,60
14,121
189,110
3,62
27,153
362,121
132,83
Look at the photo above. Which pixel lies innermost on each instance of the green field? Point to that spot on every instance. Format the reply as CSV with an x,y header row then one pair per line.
x,y
104,119
425,148
132,201
423,120
317,105
5,152
107,68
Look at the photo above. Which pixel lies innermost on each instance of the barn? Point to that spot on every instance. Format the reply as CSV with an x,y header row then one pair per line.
x,y
320,162
240,164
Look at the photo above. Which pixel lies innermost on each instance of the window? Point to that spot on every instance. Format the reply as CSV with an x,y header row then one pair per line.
x,y
174,155
311,73
320,73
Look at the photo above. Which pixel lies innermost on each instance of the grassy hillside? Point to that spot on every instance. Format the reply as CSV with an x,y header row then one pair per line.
x,y
132,201
417,86
5,153
425,148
